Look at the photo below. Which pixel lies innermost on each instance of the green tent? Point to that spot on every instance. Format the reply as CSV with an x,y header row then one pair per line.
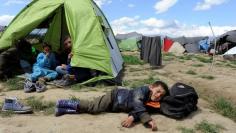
x,y
129,44
94,45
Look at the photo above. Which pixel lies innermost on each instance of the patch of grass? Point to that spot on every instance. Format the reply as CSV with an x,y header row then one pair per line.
x,y
233,62
132,60
168,54
14,84
191,72
72,97
6,113
186,130
197,65
39,105
168,58
76,87
134,69
137,83
206,127
209,77
186,57
230,65
203,59
181,61
225,107
219,64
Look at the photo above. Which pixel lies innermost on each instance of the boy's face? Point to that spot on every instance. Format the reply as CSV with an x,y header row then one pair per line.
x,y
157,92
46,49
67,43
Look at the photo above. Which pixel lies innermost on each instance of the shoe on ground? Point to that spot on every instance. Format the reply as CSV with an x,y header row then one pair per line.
x,y
12,104
40,86
67,103
67,80
29,86
62,111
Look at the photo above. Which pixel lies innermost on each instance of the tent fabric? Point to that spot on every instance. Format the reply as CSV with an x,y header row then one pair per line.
x,y
128,35
232,51
204,45
227,39
151,50
167,44
2,28
177,48
230,54
192,47
93,46
129,44
230,36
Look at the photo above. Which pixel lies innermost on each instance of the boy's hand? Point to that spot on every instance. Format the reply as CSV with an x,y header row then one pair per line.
x,y
63,66
70,55
128,122
153,125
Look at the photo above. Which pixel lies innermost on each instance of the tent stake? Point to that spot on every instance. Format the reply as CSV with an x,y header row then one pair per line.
x,y
214,52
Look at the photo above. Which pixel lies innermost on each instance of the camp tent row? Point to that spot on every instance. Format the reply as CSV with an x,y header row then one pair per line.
x,y
188,44
94,44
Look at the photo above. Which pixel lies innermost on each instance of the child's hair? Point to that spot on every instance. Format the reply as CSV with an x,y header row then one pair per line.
x,y
66,37
46,45
163,85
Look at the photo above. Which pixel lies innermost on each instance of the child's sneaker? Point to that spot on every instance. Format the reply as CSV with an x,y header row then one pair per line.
x,y
62,111
12,104
29,86
67,80
40,85
72,104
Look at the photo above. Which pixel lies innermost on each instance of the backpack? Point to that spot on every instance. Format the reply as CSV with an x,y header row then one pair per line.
x,y
181,101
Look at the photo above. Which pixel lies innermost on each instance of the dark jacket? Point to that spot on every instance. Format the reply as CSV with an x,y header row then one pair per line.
x,y
132,101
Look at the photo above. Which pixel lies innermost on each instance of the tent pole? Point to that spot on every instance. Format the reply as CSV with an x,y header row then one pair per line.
x,y
213,57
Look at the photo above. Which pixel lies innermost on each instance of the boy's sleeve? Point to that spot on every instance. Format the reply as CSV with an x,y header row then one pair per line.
x,y
41,59
139,111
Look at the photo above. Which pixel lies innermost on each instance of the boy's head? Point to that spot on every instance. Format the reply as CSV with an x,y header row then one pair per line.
x,y
158,90
67,43
46,47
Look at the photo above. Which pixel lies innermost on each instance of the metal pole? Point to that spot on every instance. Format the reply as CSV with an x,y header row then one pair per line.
x,y
213,57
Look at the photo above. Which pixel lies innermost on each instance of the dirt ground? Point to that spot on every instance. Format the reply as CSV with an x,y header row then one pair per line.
x,y
172,71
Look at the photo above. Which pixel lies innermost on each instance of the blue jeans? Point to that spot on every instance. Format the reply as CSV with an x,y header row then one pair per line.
x,y
42,72
61,71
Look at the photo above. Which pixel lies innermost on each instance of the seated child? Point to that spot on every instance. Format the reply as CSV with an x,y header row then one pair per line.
x,y
136,102
43,70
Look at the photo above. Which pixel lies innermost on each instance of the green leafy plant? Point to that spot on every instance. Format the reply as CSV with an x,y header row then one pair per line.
x,y
132,60
186,130
209,77
14,84
38,104
206,127
191,72
197,65
225,107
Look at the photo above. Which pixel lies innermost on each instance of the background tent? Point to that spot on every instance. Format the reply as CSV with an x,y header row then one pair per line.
x,y
230,54
2,28
167,44
129,41
94,45
226,41
129,44
173,47
128,35
177,48
191,44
